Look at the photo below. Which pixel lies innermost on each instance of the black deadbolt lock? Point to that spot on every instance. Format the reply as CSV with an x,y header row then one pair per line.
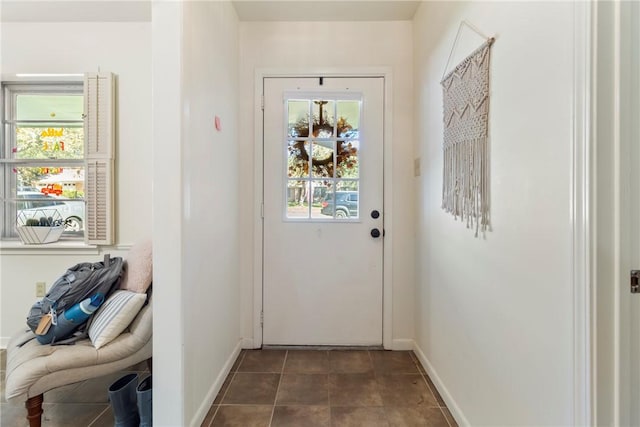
x,y
375,214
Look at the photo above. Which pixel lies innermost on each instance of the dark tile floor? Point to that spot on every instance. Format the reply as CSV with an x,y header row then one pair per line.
x,y
77,405
299,388
308,388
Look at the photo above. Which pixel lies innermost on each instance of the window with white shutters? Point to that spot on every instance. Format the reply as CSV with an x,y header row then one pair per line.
x,y
57,157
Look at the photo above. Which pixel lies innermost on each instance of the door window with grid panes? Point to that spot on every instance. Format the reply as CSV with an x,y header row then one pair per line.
x,y
322,157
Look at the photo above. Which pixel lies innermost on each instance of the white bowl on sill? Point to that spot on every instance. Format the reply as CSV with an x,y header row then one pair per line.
x,y
36,235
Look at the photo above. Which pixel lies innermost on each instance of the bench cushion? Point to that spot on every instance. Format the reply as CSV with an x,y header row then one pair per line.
x,y
33,368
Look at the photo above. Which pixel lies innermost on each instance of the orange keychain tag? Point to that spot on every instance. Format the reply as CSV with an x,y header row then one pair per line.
x,y
44,325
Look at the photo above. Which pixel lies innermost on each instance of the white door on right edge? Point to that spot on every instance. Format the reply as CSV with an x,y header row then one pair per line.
x,y
630,224
634,118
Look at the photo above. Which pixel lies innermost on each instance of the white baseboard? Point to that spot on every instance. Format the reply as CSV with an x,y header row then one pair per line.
x,y
446,396
202,411
402,344
247,343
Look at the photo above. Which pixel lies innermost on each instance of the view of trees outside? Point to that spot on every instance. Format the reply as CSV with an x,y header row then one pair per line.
x,y
50,126
50,143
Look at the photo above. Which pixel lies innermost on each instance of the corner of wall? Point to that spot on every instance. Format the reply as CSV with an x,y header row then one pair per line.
x,y
215,388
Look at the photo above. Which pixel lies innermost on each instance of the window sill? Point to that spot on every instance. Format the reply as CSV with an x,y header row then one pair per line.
x,y
16,247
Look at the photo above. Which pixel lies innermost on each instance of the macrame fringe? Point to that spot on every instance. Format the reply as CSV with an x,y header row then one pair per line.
x,y
465,181
465,189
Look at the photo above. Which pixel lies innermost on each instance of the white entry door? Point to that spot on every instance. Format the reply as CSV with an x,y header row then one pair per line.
x,y
323,218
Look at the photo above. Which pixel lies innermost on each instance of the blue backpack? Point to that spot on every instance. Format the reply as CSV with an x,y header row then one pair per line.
x,y
78,283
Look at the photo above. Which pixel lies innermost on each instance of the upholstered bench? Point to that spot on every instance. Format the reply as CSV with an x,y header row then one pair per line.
x,y
34,368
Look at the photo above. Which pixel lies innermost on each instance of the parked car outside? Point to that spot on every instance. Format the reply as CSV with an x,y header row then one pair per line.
x,y
30,202
346,203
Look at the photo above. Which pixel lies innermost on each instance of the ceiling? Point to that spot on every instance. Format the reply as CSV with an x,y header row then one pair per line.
x,y
248,10
325,10
75,11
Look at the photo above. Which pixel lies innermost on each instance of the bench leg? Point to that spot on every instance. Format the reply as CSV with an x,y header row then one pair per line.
x,y
34,410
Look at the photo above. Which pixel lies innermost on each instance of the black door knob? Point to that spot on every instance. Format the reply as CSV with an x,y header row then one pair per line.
x,y
375,233
375,214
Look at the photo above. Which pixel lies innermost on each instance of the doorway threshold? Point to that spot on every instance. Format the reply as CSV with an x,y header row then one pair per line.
x,y
321,347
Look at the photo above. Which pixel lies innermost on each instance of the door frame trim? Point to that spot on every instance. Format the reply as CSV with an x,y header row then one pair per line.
x,y
620,30
610,217
583,222
387,267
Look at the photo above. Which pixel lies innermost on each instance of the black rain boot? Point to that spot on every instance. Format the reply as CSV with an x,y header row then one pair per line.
x,y
122,395
144,402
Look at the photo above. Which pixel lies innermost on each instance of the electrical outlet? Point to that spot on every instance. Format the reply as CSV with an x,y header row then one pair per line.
x,y
41,289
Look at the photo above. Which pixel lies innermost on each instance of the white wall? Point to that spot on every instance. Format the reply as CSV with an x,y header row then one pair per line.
x,y
195,68
76,47
494,315
168,330
321,46
210,200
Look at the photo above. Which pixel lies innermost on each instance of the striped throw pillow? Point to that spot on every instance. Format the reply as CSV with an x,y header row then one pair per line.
x,y
115,315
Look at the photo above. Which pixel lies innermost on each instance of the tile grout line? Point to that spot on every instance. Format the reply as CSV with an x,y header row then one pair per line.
x,y
275,399
233,375
247,404
376,378
329,386
104,411
424,377
423,374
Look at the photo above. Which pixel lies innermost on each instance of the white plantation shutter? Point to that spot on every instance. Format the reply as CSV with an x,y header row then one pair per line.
x,y
99,132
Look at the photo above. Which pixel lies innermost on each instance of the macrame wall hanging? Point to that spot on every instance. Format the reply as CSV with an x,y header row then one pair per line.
x,y
465,90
